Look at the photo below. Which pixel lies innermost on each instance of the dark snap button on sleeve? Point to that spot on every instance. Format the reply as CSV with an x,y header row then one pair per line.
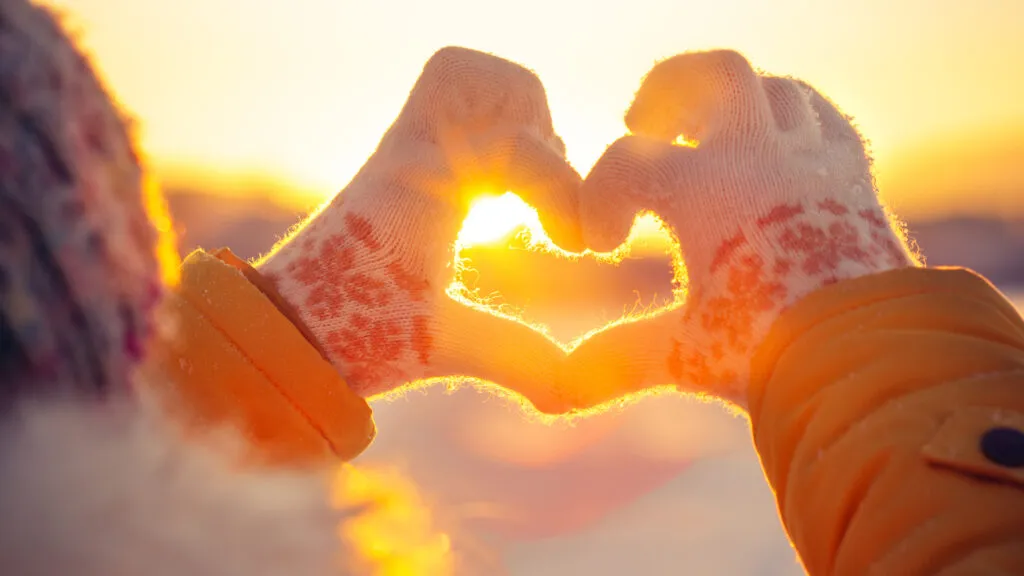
x,y
980,442
1004,446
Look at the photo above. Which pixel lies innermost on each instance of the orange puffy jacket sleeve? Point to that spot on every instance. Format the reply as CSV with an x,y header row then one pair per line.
x,y
233,355
888,412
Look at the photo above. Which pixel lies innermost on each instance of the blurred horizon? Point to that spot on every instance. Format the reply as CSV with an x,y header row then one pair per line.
x,y
287,100
923,184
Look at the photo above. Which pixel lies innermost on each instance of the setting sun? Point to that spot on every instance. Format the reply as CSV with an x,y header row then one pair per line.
x,y
493,218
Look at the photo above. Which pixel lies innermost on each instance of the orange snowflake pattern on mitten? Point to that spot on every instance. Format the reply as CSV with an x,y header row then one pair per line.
x,y
356,306
369,273
771,199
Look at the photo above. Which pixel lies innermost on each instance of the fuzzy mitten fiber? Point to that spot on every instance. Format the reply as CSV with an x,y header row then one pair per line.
x,y
369,273
768,189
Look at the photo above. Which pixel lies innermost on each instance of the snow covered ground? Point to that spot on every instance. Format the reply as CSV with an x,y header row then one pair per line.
x,y
668,486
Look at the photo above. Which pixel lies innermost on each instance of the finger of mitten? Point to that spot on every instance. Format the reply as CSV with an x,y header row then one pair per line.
x,y
475,343
491,121
846,146
788,101
461,89
531,167
701,96
634,175
622,360
835,125
795,120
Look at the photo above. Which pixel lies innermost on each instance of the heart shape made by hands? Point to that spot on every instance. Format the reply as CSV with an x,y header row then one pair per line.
x,y
505,264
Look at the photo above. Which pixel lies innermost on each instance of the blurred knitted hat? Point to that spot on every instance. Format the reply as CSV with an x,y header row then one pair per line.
x,y
79,272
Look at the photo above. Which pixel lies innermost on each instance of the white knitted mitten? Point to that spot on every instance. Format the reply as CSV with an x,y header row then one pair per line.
x,y
770,194
368,274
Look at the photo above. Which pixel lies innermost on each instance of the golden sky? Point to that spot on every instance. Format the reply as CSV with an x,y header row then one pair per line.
x,y
299,91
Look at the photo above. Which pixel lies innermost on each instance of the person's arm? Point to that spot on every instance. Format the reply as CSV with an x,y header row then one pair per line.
x,y
886,400
233,354
357,302
888,412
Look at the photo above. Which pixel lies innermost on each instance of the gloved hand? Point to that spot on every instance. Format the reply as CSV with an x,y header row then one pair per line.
x,y
368,273
770,194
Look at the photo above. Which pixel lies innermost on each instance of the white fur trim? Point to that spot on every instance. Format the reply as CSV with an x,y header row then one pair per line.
x,y
110,490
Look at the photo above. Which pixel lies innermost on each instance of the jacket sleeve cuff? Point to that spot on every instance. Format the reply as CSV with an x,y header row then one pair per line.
x,y
869,404
235,357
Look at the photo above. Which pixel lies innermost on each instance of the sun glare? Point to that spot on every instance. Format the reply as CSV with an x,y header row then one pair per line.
x,y
492,219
